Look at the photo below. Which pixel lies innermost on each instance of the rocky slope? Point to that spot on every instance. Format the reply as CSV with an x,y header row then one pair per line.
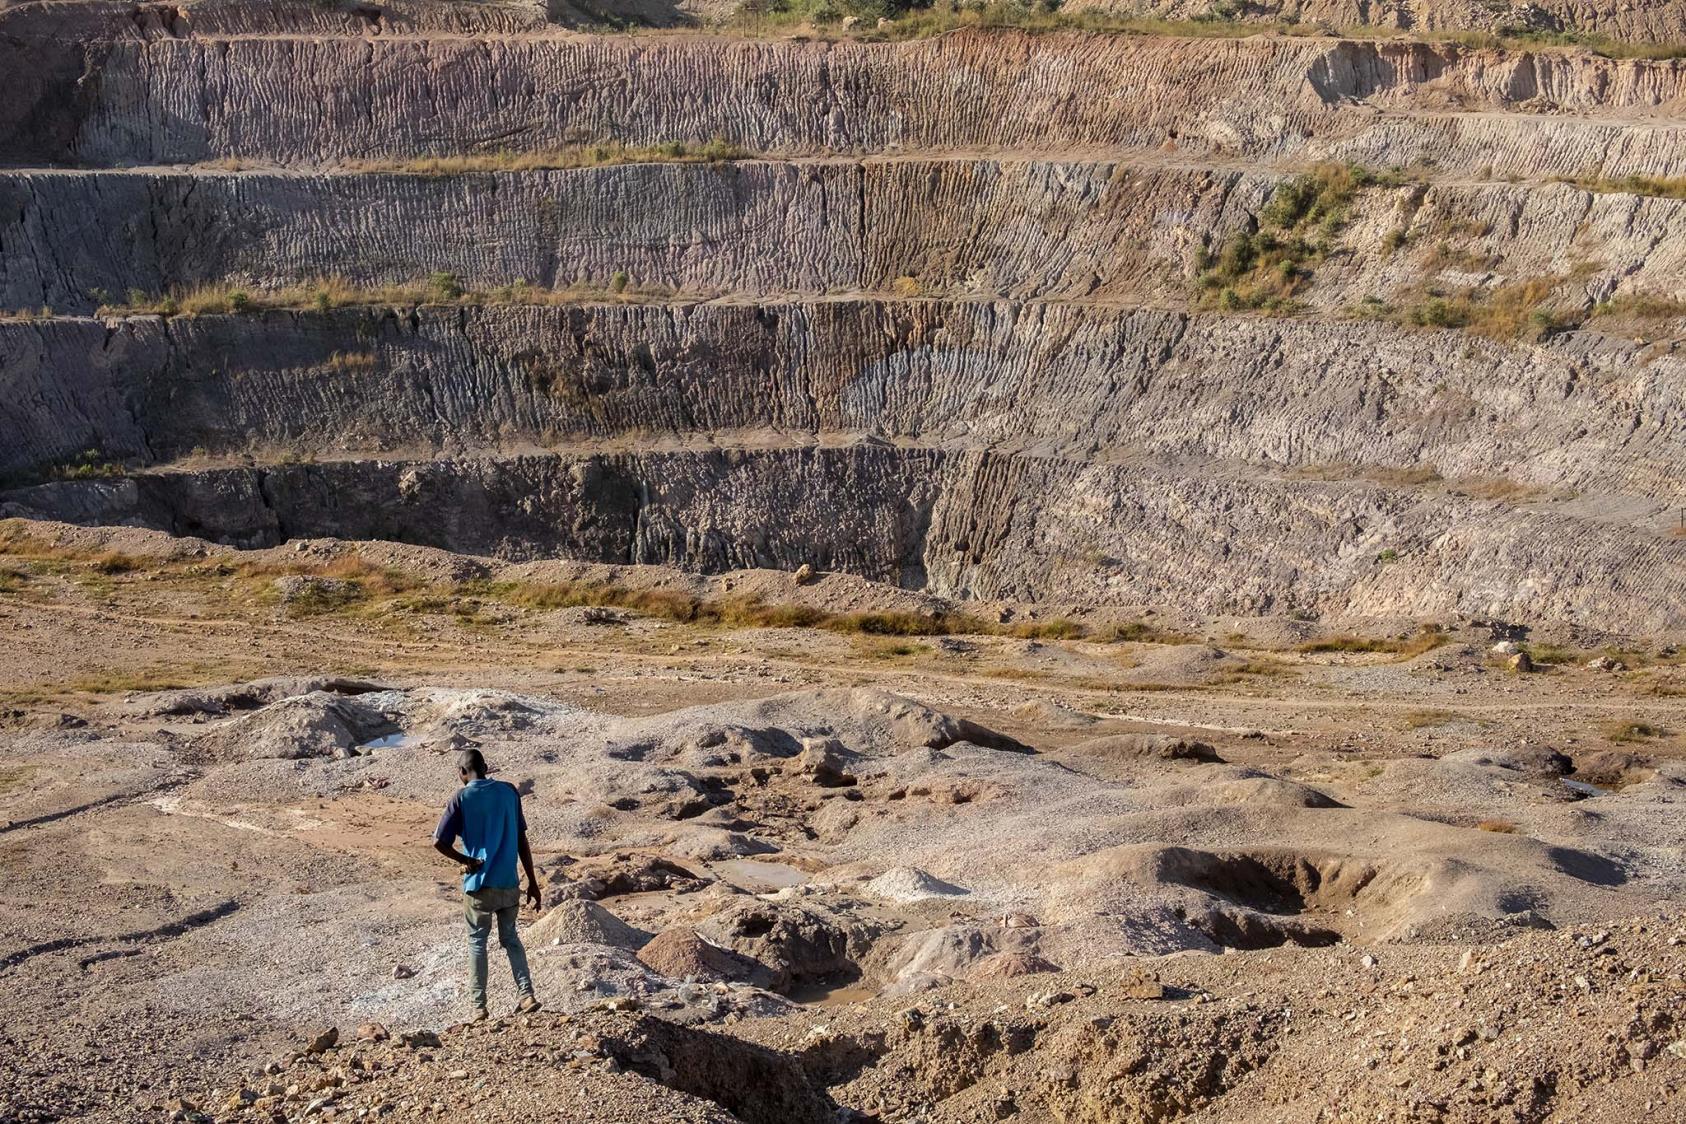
x,y
982,314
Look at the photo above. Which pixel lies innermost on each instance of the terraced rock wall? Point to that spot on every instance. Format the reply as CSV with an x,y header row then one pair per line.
x,y
982,317
184,100
1072,381
1075,230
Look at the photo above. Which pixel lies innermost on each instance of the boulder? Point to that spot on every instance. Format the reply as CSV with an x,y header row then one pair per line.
x,y
827,762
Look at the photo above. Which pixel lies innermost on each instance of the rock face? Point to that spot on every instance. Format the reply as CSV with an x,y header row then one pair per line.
x,y
955,323
1051,229
187,94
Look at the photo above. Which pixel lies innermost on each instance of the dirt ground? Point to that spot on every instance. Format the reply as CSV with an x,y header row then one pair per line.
x,y
1247,871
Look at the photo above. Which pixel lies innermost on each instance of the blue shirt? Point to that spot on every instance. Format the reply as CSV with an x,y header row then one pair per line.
x,y
486,816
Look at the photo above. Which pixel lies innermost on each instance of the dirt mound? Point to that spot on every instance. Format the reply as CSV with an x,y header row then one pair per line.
x,y
904,884
585,922
1183,665
793,943
217,702
1614,768
1010,965
1268,791
684,954
1159,747
318,724
1529,760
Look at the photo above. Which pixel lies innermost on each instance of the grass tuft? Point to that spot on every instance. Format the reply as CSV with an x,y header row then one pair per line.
x,y
610,154
1427,639
1663,187
1631,731
328,293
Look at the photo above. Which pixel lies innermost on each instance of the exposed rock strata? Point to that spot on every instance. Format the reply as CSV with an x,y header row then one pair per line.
x,y
1580,413
167,99
962,524
1027,229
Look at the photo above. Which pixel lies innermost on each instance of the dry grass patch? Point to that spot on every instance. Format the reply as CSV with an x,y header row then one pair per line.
x,y
328,293
1252,671
1400,476
1631,731
1404,648
1499,489
1640,306
874,649
715,151
158,677
908,21
14,777
1511,311
1501,827
1663,187
19,540
1139,632
1427,719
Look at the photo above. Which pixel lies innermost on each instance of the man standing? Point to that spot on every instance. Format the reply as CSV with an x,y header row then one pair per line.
x,y
486,816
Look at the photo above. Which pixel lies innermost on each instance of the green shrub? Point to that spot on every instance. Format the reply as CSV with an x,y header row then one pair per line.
x,y
444,286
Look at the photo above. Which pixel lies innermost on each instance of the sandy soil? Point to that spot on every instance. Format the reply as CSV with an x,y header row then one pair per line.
x,y
910,878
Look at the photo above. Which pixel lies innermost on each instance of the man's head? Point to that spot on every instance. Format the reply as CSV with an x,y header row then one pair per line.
x,y
471,765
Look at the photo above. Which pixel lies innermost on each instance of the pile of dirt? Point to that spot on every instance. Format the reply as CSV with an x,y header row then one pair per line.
x,y
577,921
318,724
684,954
904,884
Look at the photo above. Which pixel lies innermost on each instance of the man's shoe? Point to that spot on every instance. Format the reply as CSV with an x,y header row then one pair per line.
x,y
527,1005
480,1015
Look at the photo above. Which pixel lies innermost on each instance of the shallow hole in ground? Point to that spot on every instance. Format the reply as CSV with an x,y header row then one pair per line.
x,y
1269,898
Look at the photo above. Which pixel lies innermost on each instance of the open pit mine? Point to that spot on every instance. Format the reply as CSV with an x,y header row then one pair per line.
x,y
1115,563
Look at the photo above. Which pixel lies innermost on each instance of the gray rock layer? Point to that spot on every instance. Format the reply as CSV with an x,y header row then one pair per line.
x,y
1076,230
962,524
1581,413
168,98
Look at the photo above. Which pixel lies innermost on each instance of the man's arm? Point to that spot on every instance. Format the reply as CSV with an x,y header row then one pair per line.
x,y
527,865
449,850
445,837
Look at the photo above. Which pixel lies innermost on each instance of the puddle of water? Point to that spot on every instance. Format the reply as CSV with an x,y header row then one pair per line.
x,y
1581,788
759,876
824,995
387,741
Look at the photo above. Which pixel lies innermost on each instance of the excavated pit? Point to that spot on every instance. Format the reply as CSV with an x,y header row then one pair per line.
x,y
1273,898
1100,330
945,315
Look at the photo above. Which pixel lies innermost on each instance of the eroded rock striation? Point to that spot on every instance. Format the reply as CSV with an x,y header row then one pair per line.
x,y
1070,317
